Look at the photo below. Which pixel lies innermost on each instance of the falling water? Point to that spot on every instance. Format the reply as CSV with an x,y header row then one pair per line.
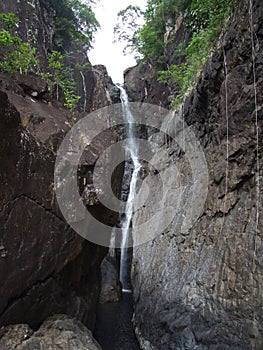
x,y
131,151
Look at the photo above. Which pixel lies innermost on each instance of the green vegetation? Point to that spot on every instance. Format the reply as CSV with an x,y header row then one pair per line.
x,y
159,16
75,25
15,55
147,40
203,19
128,26
59,76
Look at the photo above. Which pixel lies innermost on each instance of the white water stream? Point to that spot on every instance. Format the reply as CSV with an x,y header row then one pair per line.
x,y
131,152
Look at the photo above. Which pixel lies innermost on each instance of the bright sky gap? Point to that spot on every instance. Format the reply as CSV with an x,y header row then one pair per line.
x,y
104,50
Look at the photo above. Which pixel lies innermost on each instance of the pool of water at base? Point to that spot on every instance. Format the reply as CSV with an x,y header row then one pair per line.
x,y
114,329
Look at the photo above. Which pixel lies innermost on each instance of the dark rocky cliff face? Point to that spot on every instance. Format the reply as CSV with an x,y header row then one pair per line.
x,y
202,289
36,25
142,86
45,267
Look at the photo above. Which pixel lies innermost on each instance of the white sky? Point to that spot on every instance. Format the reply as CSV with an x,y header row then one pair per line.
x,y
104,51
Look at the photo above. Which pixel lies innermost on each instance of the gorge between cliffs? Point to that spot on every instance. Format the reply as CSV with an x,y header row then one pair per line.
x,y
131,213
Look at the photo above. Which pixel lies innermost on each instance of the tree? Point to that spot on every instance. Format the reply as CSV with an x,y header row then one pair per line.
x,y
75,23
129,22
148,39
86,22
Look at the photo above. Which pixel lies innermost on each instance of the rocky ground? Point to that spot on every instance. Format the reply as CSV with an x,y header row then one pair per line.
x,y
57,332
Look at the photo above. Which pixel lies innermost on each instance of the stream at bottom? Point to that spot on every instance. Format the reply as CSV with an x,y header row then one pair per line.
x,y
114,330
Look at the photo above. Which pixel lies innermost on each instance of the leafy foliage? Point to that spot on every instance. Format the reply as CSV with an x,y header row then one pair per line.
x,y
205,19
15,55
148,39
75,23
127,27
59,76
8,21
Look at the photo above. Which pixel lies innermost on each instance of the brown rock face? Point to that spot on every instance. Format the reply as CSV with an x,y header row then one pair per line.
x,y
45,267
142,85
36,24
202,289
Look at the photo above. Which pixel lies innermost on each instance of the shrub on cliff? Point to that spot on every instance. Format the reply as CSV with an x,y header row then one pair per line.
x,y
15,55
204,19
147,39
59,76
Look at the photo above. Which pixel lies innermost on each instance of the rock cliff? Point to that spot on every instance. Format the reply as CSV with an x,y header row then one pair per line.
x,y
45,266
142,82
202,288
37,27
142,85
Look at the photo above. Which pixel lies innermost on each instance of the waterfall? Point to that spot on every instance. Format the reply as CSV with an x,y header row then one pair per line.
x,y
131,152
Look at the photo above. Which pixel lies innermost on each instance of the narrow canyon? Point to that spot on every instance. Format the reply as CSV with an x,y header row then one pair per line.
x,y
180,197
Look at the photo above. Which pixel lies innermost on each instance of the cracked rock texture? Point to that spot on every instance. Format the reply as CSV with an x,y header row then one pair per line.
x,y
45,267
201,288
58,332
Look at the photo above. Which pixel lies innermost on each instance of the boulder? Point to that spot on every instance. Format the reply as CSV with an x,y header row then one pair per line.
x,y
57,332
110,284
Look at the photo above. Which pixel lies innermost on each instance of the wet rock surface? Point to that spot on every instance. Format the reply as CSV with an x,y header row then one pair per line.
x,y
58,332
202,288
45,267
